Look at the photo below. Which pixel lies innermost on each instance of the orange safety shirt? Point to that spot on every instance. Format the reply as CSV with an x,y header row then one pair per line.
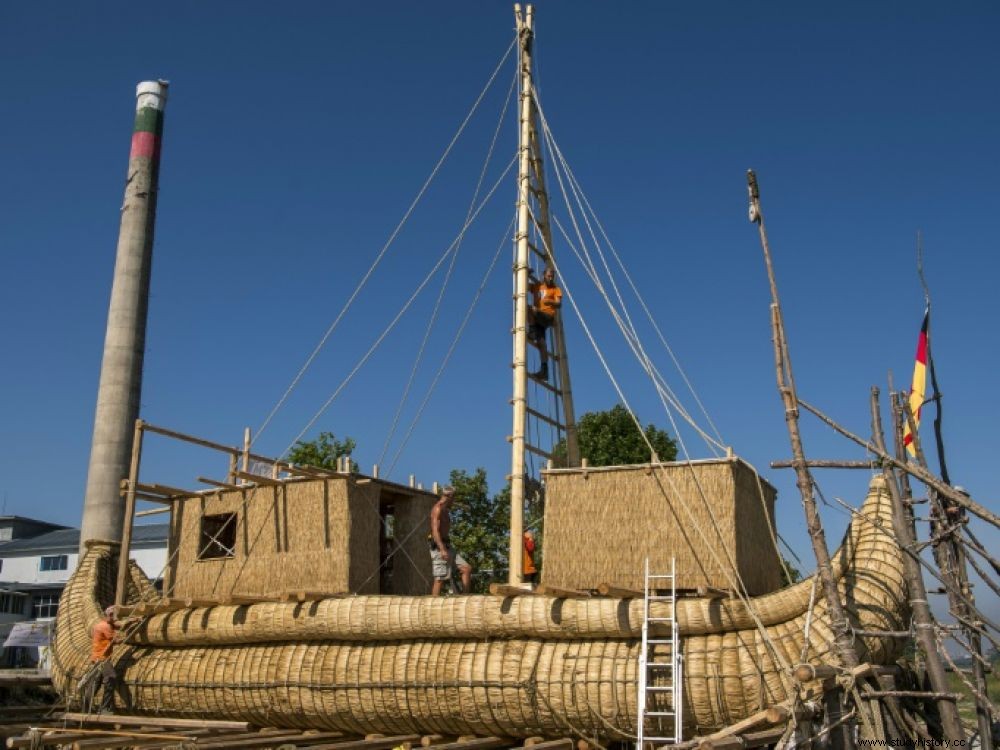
x,y
547,298
102,640
529,556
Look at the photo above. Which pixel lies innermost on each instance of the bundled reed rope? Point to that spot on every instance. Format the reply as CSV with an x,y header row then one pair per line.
x,y
475,665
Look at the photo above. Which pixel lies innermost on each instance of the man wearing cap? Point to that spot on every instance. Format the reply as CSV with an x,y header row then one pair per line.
x,y
443,555
102,642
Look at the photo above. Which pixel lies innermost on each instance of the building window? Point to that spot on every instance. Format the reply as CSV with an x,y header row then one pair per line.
x,y
54,562
218,536
46,606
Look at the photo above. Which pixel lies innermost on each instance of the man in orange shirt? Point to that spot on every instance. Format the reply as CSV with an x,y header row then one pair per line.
x,y
542,314
102,643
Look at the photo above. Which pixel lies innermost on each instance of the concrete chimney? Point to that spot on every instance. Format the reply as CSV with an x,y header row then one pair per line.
x,y
120,388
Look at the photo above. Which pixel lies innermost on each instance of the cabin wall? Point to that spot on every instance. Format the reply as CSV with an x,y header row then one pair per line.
x,y
288,537
602,524
317,535
411,564
363,536
757,557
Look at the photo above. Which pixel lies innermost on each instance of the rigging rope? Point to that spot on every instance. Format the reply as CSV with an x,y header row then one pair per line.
x,y
560,165
385,247
451,349
447,276
400,314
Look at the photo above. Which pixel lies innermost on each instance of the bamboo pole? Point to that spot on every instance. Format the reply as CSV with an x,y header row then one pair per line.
x,y
923,620
825,464
786,387
950,558
133,480
914,471
515,573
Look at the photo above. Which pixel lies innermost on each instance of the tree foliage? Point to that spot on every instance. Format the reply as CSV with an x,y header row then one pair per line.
x,y
612,438
480,525
322,452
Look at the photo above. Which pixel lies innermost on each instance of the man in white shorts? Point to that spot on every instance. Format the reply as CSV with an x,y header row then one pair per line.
x,y
443,555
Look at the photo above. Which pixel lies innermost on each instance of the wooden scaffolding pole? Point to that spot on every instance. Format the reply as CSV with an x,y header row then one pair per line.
x,y
126,546
839,625
905,530
950,558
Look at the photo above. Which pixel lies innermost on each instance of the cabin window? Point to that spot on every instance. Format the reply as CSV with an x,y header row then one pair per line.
x,y
54,562
218,536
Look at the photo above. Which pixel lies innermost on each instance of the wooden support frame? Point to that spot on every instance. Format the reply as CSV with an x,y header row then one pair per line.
x,y
133,480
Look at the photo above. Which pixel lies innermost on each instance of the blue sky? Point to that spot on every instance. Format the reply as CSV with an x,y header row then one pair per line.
x,y
296,137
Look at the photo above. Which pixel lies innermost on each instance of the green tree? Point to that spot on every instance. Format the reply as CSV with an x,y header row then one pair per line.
x,y
611,438
480,525
322,452
789,573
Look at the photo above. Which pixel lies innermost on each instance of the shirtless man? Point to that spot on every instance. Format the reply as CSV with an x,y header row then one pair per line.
x,y
443,555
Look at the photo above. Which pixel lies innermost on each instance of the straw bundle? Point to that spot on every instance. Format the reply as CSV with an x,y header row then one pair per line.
x,y
713,517
477,665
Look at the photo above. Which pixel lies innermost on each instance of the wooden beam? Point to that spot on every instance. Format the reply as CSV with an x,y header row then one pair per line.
x,y
475,743
606,589
433,739
117,739
749,740
503,589
564,744
711,592
269,740
157,721
770,715
560,593
819,464
219,483
152,511
239,600
309,596
257,479
129,520
164,490
382,743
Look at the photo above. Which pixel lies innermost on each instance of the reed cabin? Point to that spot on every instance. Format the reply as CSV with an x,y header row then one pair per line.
x,y
335,534
602,523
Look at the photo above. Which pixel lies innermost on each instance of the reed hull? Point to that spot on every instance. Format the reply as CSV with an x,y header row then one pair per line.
x,y
482,665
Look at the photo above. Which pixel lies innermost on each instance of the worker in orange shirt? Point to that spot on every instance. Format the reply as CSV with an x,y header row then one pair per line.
x,y
542,314
102,643
530,571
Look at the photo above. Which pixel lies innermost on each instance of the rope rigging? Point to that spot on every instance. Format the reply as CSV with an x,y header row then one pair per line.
x,y
399,315
388,243
447,277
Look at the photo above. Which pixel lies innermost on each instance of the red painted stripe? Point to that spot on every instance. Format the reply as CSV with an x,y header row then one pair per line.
x,y
145,144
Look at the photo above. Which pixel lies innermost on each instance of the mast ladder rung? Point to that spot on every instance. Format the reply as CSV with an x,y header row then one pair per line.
x,y
545,384
537,451
543,255
552,355
545,418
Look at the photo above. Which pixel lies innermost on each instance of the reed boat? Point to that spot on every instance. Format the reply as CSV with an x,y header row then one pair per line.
x,y
296,596
533,665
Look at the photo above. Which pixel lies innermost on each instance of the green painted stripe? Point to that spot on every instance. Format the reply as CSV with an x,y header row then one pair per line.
x,y
149,120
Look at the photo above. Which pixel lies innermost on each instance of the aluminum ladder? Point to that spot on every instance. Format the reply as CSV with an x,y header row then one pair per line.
x,y
658,679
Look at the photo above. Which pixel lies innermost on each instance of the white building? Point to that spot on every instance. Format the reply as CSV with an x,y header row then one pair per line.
x,y
33,572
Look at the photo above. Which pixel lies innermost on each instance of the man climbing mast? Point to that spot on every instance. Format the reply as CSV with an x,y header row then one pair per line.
x,y
542,314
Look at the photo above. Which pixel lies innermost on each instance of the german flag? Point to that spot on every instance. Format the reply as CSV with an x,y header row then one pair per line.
x,y
919,386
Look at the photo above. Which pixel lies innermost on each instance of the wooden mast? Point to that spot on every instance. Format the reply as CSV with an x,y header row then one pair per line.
x,y
531,183
515,574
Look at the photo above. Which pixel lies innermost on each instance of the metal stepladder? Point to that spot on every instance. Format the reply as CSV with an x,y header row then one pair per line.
x,y
659,678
